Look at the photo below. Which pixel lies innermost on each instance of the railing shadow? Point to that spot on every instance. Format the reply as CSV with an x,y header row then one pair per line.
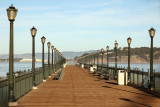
x,y
129,91
128,100
111,83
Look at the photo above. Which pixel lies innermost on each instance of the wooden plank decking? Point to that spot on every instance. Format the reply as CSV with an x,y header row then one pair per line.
x,y
80,88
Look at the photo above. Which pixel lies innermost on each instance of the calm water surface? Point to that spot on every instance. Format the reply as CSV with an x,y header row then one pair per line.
x,y
156,67
139,66
4,66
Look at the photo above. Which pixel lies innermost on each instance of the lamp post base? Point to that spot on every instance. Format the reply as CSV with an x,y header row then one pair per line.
x,y
44,80
13,104
34,88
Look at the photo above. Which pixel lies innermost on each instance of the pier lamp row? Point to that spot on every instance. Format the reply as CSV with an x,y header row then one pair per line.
x,y
129,40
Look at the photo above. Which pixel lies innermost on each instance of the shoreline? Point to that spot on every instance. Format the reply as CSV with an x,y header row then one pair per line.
x,y
2,78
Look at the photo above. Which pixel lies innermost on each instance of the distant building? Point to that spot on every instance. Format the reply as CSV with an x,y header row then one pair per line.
x,y
30,60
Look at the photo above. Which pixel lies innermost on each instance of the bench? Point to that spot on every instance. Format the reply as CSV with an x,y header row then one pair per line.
x,y
59,75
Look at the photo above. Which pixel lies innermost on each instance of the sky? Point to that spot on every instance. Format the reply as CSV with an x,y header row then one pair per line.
x,y
80,25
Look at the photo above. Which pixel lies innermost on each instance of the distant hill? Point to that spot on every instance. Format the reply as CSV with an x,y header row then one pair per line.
x,y
138,55
67,54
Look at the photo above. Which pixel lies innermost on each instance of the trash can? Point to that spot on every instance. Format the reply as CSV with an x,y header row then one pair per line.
x,y
82,65
122,77
91,69
94,67
64,65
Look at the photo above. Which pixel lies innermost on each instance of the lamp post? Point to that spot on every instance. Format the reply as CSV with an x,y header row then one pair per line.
x,y
43,39
116,45
58,58
94,58
33,33
102,56
107,57
97,58
82,60
55,59
11,12
52,47
129,56
151,33
49,45
89,59
85,59
102,61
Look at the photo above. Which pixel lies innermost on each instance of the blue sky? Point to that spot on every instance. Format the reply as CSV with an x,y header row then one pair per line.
x,y
80,25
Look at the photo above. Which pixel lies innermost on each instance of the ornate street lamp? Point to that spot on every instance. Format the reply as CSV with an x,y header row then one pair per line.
x,y
12,13
55,60
52,47
43,39
58,58
107,57
88,61
94,58
129,56
33,33
151,33
81,60
116,45
97,58
102,52
91,57
85,59
49,45
82,57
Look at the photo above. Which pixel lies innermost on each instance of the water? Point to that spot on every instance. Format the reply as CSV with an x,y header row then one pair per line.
x,y
156,67
4,67
71,63
140,66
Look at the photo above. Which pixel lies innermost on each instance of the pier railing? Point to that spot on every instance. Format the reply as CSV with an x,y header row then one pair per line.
x,y
137,77
23,82
4,93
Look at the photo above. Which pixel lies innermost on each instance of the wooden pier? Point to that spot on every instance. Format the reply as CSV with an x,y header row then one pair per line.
x,y
81,88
